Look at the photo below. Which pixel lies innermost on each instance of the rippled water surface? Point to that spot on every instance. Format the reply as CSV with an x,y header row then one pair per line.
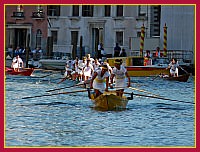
x,y
69,119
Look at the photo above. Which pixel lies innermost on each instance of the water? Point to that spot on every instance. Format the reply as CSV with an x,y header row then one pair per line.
x,y
69,120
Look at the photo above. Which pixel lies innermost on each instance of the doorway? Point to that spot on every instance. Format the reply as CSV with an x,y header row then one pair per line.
x,y
20,38
97,38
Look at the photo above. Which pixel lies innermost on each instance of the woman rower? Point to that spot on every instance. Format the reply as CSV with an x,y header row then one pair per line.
x,y
120,74
173,66
100,80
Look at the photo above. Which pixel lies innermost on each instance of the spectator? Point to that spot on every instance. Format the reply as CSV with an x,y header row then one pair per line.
x,y
158,52
17,51
117,50
123,53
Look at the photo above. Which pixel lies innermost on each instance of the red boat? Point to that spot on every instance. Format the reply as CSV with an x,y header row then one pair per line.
x,y
22,72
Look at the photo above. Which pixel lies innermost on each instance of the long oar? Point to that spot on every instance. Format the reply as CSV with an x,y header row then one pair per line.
x,y
54,94
141,95
183,70
65,87
63,80
144,91
43,76
158,74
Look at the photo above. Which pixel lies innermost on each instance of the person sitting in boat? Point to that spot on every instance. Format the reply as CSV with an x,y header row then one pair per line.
x,y
120,74
96,64
77,74
88,70
100,80
88,57
68,69
173,66
17,63
82,64
158,52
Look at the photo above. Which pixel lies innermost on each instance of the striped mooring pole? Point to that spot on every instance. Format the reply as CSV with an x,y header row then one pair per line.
x,y
165,41
142,40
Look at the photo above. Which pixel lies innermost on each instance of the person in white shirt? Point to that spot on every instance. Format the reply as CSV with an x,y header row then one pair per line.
x,y
100,80
120,74
96,64
69,68
88,70
17,63
173,66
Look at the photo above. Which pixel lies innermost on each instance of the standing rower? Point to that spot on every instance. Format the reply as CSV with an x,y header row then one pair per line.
x,y
17,63
120,74
100,80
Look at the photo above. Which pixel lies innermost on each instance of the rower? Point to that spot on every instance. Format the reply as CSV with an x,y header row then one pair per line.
x,y
120,74
100,80
173,66
17,63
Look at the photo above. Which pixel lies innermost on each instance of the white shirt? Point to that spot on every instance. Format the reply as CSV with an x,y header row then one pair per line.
x,y
16,62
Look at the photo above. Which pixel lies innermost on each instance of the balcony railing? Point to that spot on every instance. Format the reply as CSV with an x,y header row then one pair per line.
x,y
18,15
38,15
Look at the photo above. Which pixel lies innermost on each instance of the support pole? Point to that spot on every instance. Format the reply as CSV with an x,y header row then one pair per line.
x,y
165,41
142,40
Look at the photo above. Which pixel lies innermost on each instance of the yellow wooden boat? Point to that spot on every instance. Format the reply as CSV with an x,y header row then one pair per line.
x,y
109,101
136,68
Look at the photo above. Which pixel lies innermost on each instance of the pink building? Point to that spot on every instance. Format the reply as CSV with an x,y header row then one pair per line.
x,y
26,26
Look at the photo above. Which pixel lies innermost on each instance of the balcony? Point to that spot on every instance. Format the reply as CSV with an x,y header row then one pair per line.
x,y
18,15
38,15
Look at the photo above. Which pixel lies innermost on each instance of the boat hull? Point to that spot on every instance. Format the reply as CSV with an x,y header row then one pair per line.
x,y
138,71
135,66
110,101
22,72
53,64
180,78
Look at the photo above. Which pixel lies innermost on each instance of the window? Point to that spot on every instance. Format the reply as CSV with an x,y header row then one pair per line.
x,y
107,10
54,36
119,10
141,10
74,41
39,8
119,38
75,10
38,38
138,34
53,10
87,10
20,8
20,12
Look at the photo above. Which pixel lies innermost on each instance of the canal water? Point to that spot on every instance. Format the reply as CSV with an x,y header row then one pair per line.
x,y
70,120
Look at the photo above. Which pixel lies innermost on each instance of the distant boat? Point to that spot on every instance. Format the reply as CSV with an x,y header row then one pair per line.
x,y
139,66
109,101
22,72
53,64
180,78
135,65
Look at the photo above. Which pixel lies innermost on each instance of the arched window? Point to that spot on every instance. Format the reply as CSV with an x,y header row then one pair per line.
x,y
38,38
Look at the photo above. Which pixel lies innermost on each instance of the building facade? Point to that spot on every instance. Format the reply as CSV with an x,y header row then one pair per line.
x,y
72,28
106,24
26,26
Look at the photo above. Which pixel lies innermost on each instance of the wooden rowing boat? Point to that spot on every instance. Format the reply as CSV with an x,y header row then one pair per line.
x,y
180,78
22,72
109,101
